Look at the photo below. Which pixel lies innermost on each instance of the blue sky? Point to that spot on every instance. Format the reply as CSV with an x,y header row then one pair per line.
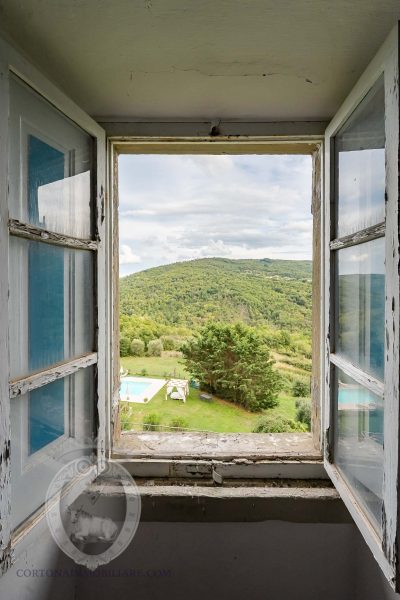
x,y
175,208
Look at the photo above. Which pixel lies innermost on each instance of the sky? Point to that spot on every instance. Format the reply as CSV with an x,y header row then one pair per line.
x,y
181,207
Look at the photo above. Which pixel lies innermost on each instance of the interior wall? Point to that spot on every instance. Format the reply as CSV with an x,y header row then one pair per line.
x,y
371,584
40,571
274,560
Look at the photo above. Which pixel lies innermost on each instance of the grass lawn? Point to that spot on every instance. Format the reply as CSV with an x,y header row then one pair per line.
x,y
218,416
155,366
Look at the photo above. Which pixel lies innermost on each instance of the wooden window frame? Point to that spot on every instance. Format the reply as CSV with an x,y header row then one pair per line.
x,y
385,550
224,144
12,64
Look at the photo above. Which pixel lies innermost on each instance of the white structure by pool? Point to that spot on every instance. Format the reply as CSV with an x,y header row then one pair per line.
x,y
177,389
139,389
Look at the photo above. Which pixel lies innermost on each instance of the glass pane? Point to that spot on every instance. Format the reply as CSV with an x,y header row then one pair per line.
x,y
50,166
360,163
46,415
359,442
51,290
361,306
50,426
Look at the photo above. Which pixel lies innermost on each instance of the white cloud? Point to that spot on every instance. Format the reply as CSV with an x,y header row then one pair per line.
x,y
357,258
126,256
181,207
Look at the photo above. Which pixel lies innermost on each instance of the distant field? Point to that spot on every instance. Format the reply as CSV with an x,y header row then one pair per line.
x,y
163,366
171,366
218,416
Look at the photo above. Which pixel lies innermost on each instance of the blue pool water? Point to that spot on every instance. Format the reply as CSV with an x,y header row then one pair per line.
x,y
133,388
353,396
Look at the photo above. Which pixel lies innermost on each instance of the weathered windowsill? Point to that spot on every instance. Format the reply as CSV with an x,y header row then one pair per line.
x,y
220,446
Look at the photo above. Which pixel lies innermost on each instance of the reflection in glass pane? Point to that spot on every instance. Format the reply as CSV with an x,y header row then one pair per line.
x,y
45,305
55,159
46,415
361,306
53,290
50,426
359,442
360,163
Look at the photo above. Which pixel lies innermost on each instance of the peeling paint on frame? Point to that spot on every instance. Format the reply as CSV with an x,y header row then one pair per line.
x,y
385,547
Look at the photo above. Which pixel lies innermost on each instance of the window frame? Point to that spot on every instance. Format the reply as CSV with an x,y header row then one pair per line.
x,y
239,144
385,550
12,63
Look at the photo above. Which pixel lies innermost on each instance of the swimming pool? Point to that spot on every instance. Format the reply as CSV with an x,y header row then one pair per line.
x,y
133,388
139,389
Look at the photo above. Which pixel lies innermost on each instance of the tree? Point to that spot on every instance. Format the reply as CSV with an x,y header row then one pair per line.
x,y
154,348
137,347
301,389
124,346
233,362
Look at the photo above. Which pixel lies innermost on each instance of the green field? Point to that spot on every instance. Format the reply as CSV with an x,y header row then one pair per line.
x,y
164,366
217,416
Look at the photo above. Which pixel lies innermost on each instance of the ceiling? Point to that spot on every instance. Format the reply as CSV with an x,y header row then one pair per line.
x,y
202,59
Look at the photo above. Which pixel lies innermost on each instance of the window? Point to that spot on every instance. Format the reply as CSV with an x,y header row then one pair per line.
x,y
52,302
362,303
358,256
205,246
213,445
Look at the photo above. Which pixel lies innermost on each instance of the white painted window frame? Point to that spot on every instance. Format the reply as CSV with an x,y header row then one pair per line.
x,y
290,141
12,62
386,551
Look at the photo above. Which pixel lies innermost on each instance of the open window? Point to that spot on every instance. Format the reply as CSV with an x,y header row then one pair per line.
x,y
362,304
62,380
57,287
214,444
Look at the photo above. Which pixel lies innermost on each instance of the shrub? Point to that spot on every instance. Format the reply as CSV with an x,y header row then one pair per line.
x,y
277,424
284,339
137,347
170,342
151,422
303,412
300,389
143,372
154,348
124,346
179,424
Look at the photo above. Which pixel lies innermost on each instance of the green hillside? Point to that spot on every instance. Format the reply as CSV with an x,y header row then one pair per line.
x,y
273,293
166,305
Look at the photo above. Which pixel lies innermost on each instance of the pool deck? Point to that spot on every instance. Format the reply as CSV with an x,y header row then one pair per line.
x,y
148,393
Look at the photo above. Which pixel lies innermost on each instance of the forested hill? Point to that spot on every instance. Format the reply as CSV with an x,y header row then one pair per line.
x,y
276,293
